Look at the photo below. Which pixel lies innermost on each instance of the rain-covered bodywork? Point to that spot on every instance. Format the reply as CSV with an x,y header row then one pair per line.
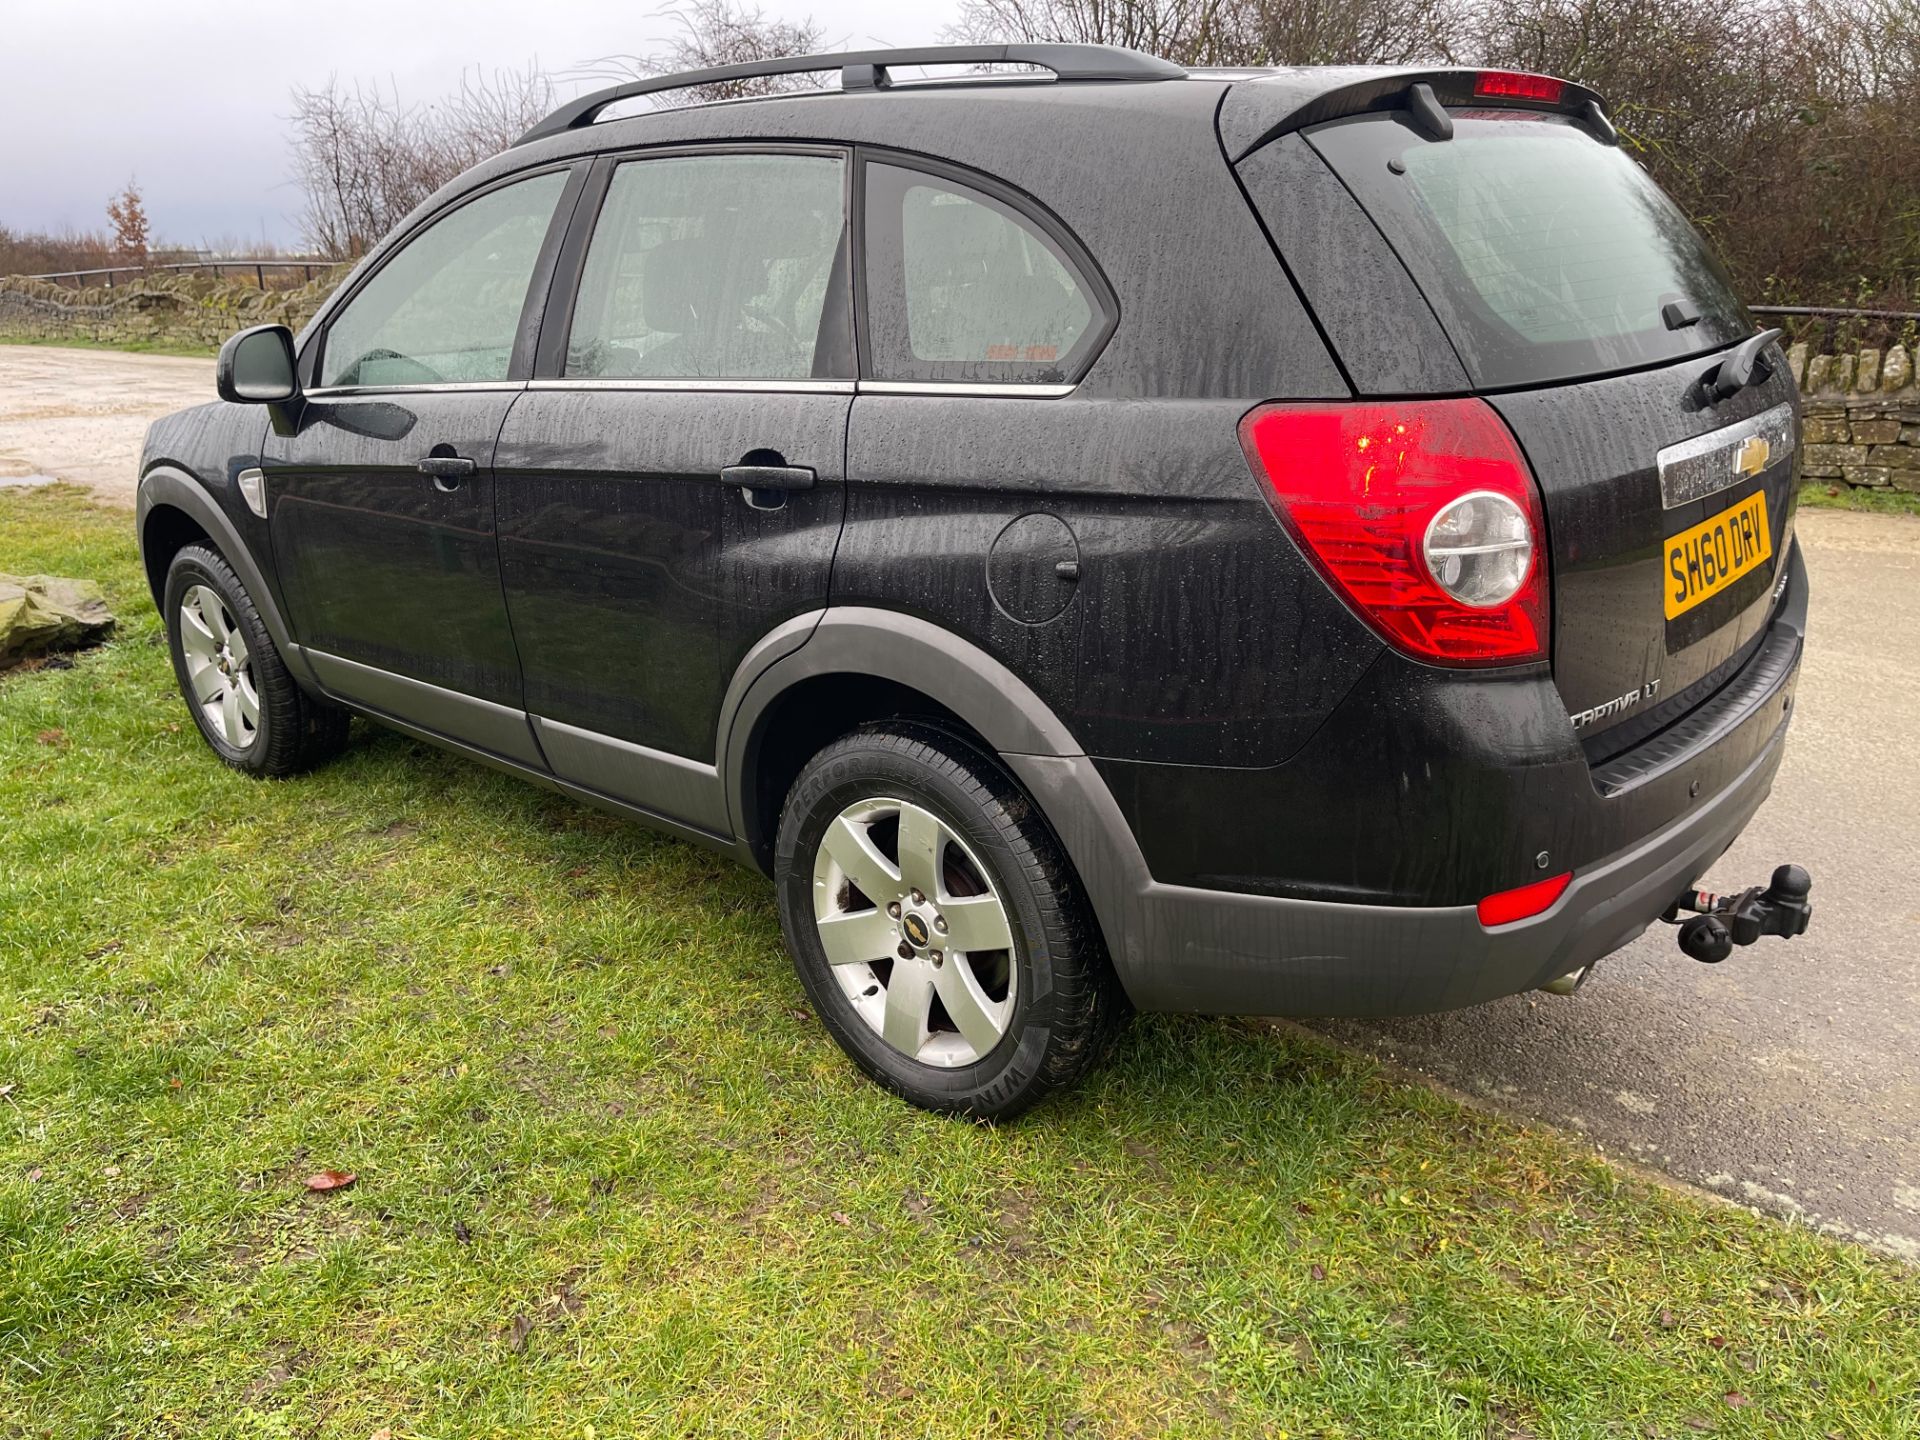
x,y
1270,804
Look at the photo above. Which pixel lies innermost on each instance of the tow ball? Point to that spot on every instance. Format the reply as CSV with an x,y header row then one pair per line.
x,y
1717,923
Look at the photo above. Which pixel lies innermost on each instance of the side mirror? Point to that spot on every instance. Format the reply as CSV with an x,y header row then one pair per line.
x,y
256,367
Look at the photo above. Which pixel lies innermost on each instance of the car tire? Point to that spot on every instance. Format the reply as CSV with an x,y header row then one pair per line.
x,y
247,707
941,1011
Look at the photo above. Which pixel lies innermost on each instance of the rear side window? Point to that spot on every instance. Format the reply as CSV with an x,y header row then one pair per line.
x,y
964,287
710,267
446,308
1545,254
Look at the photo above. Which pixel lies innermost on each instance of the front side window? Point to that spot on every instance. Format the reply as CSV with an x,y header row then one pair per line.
x,y
446,308
962,287
711,267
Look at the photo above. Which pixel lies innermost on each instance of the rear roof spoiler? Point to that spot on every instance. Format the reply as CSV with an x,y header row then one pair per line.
x,y
867,70
1258,110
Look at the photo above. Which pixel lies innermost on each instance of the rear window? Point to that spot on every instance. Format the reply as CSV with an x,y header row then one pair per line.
x,y
1545,254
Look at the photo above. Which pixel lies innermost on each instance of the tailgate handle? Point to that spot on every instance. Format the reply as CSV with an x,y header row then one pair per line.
x,y
1740,369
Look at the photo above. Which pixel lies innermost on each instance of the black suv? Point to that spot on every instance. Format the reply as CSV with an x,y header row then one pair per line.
x,y
1308,542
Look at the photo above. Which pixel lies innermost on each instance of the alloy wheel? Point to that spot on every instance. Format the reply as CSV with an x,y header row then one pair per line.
x,y
915,931
219,667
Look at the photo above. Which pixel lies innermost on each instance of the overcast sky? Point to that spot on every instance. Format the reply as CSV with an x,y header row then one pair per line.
x,y
192,96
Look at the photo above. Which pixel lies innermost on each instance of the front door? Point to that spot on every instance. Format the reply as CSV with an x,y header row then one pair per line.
x,y
382,497
670,485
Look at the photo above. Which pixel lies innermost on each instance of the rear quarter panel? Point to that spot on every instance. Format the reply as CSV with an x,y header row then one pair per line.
x,y
1194,635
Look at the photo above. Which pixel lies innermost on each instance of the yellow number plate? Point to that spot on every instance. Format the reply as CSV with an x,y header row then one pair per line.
x,y
1705,560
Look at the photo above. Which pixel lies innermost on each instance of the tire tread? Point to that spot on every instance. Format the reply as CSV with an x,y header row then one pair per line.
x,y
301,731
1089,1009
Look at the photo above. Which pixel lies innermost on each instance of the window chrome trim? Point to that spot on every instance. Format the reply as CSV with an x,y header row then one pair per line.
x,y
342,392
1010,389
1003,389
733,387
1707,464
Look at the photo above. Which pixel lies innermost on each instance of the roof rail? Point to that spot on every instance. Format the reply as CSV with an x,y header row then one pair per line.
x,y
867,70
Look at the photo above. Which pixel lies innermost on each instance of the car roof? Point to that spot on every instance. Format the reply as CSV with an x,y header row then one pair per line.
x,y
871,70
1262,102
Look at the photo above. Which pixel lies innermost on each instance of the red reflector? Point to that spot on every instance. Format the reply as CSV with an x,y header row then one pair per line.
x,y
1524,903
1518,85
1359,485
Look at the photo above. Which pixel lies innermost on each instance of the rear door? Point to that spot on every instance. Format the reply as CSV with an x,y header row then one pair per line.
x,y
670,486
1549,274
382,498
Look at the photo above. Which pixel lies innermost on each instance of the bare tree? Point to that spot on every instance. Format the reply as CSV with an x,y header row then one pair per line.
x,y
1190,32
1783,129
363,157
27,252
1367,32
712,33
1229,32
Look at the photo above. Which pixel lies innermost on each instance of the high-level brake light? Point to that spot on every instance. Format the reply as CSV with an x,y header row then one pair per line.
x,y
1518,85
1421,514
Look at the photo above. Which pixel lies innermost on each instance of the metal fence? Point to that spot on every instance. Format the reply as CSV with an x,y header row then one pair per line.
x,y
1828,312
305,264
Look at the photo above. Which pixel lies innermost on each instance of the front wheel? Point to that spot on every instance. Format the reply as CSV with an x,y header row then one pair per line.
x,y
937,926
247,707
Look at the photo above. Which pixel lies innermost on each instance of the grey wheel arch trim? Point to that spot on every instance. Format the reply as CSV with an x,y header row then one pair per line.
x,y
1000,707
886,645
165,485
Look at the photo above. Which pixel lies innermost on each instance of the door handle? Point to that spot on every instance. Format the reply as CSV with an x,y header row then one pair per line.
x,y
769,477
765,487
448,471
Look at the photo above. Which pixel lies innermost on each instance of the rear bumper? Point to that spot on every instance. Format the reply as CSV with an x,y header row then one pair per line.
x,y
1219,953
1188,948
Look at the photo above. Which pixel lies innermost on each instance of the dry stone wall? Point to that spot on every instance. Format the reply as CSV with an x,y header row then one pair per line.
x,y
1862,425
190,311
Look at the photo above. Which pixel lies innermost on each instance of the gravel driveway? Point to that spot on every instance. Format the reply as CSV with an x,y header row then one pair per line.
x,y
80,415
1787,1078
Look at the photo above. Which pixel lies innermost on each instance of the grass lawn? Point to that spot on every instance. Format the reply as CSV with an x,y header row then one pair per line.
x,y
614,1180
1831,495
129,347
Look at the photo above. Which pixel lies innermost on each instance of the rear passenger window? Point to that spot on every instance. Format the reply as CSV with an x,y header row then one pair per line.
x,y
962,287
710,267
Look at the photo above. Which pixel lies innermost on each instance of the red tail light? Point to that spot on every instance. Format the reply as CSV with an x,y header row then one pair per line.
x,y
1410,509
1518,85
1525,903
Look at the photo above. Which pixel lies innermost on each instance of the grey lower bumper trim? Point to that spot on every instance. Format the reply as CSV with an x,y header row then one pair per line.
x,y
1212,952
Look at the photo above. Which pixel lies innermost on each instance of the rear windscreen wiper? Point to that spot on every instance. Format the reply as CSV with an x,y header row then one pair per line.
x,y
1742,368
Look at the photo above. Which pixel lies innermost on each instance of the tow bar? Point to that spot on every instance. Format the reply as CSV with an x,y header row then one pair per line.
x,y
1717,923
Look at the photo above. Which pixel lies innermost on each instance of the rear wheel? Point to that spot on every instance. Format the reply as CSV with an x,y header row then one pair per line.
x,y
247,707
937,926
